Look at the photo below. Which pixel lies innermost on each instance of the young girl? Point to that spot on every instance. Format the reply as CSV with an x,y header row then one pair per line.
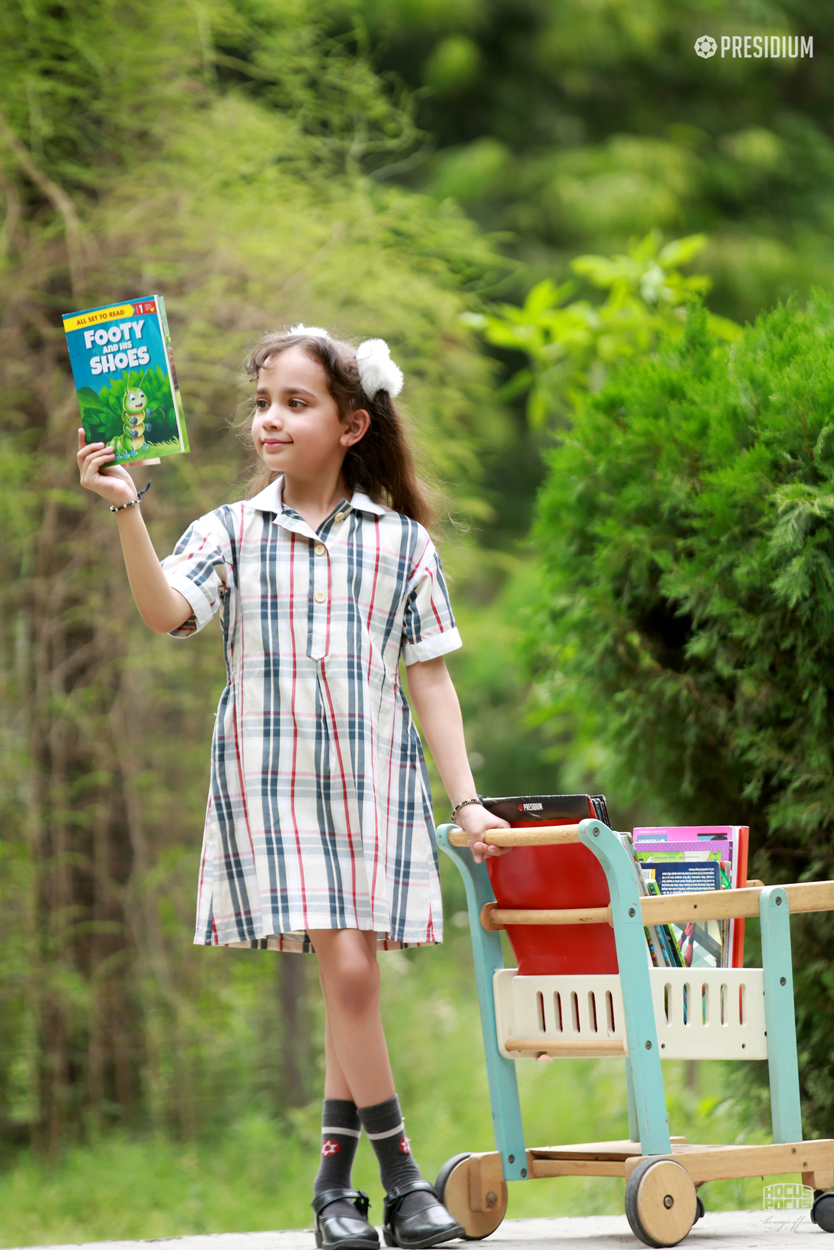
x,y
319,831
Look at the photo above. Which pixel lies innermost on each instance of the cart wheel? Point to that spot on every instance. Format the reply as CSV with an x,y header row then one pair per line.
x,y
660,1202
822,1212
700,1210
452,1187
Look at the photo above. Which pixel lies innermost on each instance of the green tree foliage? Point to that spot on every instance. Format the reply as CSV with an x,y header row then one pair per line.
x,y
571,344
137,156
575,126
572,128
685,529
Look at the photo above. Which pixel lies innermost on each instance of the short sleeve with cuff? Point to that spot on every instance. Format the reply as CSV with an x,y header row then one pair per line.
x,y
197,569
429,628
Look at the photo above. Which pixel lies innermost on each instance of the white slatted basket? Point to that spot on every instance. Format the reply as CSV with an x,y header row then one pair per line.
x,y
715,1013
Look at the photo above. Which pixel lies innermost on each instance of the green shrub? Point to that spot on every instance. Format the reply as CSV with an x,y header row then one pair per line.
x,y
685,527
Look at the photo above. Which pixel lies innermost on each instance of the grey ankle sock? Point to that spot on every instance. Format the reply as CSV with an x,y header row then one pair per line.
x,y
340,1131
383,1123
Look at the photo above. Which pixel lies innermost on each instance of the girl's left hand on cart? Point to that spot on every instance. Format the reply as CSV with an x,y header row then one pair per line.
x,y
477,821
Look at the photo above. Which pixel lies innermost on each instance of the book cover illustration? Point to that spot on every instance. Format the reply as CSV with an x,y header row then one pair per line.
x,y
124,373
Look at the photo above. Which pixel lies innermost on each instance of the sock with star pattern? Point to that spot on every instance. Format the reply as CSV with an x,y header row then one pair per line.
x,y
383,1122
340,1131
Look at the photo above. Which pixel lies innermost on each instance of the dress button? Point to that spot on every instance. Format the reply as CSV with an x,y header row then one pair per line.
x,y
340,516
319,549
320,596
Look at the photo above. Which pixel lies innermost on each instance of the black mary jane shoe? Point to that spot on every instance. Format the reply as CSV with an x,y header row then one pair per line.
x,y
344,1231
430,1227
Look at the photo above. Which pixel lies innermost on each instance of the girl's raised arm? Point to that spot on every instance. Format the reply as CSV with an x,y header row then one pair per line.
x,y
161,607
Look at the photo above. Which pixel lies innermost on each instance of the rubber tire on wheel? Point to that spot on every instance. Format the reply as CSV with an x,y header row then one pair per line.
x,y
822,1212
660,1202
452,1187
700,1210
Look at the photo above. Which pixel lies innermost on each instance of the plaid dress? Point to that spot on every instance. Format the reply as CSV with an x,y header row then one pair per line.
x,y
319,813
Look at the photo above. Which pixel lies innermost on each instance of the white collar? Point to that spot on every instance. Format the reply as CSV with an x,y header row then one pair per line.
x,y
270,499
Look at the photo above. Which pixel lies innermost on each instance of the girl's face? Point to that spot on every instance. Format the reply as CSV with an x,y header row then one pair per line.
x,y
297,429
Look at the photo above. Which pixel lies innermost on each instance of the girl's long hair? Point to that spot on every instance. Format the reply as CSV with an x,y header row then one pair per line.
x,y
381,464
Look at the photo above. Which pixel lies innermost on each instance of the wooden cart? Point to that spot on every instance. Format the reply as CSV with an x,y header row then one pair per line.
x,y
640,1015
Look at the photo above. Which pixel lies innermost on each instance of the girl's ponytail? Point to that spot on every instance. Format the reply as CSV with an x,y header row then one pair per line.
x,y
382,463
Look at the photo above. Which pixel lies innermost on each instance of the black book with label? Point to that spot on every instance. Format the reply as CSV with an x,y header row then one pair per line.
x,y
546,809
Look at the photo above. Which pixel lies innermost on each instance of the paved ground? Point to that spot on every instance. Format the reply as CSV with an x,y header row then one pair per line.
x,y
718,1230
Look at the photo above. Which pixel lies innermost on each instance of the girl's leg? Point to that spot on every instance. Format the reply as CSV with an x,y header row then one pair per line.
x,y
338,1219
347,957
340,1129
357,1061
355,1048
335,1082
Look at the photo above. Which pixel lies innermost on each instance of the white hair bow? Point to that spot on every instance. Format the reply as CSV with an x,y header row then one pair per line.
x,y
377,370
314,332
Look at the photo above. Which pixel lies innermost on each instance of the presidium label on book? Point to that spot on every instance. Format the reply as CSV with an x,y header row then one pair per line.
x,y
124,373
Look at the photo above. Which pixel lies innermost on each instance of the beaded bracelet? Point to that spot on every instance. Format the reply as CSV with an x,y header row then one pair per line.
x,y
132,503
478,799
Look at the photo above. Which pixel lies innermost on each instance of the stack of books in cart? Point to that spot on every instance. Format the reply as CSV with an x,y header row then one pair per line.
x,y
684,859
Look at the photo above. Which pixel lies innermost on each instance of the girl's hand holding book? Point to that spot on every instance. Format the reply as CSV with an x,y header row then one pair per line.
x,y
100,475
161,607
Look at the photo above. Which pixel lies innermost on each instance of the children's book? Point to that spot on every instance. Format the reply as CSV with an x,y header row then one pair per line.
x,y
703,945
699,857
685,833
684,878
124,373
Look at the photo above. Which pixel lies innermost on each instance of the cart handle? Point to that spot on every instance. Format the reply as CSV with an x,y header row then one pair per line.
x,y
706,905
543,835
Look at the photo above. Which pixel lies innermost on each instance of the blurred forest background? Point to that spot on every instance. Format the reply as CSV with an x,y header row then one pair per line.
x,y
524,198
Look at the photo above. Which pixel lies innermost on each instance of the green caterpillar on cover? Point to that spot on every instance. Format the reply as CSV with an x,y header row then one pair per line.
x,y
135,421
